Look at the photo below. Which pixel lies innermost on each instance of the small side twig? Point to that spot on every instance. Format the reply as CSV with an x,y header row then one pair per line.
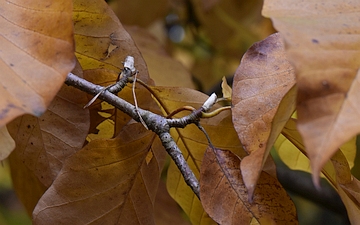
x,y
123,78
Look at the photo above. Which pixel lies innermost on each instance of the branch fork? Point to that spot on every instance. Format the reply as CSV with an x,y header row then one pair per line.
x,y
158,124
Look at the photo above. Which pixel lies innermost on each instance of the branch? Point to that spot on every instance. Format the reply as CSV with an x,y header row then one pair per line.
x,y
158,124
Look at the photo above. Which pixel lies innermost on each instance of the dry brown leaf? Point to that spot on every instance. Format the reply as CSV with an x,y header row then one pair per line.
x,y
263,78
37,52
193,144
224,196
44,143
106,182
322,42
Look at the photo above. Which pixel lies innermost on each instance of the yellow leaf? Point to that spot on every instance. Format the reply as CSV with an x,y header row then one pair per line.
x,y
224,196
337,171
297,160
322,42
37,53
6,142
226,89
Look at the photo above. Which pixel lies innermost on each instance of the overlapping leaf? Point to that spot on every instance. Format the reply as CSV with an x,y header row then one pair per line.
x,y
323,44
193,144
337,172
101,40
43,144
224,195
36,51
102,44
106,182
295,159
262,80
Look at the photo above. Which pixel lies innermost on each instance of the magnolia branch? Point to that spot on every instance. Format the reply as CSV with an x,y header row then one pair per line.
x,y
156,123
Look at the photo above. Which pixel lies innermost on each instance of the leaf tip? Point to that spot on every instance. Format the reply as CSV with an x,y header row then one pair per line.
x,y
316,180
251,195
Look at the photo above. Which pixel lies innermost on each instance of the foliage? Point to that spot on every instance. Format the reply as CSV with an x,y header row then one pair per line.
x,y
96,165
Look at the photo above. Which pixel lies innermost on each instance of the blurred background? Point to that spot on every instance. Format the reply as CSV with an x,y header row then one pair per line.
x,y
205,39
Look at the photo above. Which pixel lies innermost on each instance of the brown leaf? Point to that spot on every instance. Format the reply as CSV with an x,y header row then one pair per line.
x,y
44,143
224,197
263,78
193,143
37,52
106,182
322,43
26,184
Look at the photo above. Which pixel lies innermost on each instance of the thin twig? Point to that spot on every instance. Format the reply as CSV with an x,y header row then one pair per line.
x,y
136,104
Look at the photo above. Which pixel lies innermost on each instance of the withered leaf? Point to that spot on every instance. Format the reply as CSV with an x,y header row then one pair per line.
x,y
106,182
322,43
193,143
262,80
224,196
37,52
